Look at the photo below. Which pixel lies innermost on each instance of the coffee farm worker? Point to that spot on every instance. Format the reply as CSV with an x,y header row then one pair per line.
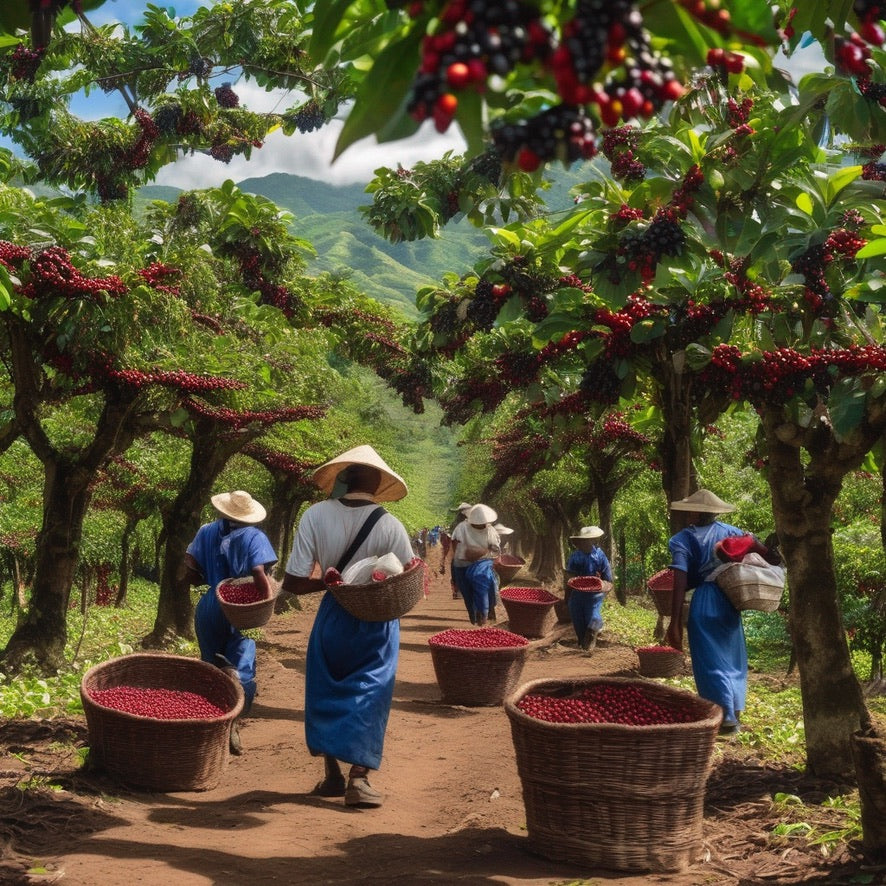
x,y
586,607
714,627
230,547
351,664
476,545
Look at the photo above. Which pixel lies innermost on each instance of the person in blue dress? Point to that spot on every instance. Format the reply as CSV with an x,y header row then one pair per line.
x,y
714,626
586,607
230,547
351,664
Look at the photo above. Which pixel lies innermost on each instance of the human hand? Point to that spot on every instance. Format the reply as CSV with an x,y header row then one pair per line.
x,y
674,636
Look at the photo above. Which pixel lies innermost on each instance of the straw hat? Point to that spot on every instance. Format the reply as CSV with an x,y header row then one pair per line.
x,y
588,532
703,502
391,488
464,506
480,515
501,529
238,506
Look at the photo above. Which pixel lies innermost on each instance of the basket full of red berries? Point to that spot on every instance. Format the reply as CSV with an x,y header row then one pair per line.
x,y
660,661
613,770
244,604
530,610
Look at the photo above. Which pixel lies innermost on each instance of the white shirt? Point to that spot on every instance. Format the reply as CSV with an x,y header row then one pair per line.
x,y
327,528
469,537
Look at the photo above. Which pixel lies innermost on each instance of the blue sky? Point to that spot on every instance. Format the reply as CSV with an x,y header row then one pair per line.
x,y
308,155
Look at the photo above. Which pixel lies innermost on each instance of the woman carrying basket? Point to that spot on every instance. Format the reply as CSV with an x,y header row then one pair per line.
x,y
586,607
351,664
716,634
475,546
229,547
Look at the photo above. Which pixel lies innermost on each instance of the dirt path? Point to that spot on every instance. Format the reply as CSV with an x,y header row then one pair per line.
x,y
453,811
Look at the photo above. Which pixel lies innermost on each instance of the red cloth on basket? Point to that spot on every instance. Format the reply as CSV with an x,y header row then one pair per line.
x,y
734,548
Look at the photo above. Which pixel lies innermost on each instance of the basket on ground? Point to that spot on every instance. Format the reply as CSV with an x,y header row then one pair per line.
x,y
477,667
158,753
240,602
383,600
508,567
661,587
660,661
612,794
530,611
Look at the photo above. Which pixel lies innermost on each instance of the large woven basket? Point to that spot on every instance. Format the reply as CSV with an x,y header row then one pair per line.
x,y
154,753
530,618
748,588
245,615
383,600
589,584
660,661
508,567
614,796
477,676
661,587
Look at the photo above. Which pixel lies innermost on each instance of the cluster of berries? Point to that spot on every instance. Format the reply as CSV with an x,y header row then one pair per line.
x,y
280,462
226,97
813,261
178,379
157,274
53,275
24,62
309,117
239,419
459,400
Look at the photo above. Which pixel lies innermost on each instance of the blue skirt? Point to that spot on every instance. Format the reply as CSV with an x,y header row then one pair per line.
x,y
586,610
718,651
351,666
478,585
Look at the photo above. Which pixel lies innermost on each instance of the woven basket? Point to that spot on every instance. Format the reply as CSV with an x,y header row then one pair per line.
x,y
589,584
561,610
508,566
655,661
529,618
605,795
476,677
245,615
661,587
748,588
161,755
383,600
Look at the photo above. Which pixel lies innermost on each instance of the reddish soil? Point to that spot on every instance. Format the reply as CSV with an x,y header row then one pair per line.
x,y
453,811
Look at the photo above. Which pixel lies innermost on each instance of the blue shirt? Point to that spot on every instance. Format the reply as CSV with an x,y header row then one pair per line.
x,y
594,562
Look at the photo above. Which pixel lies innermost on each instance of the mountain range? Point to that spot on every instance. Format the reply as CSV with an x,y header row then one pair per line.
x,y
328,216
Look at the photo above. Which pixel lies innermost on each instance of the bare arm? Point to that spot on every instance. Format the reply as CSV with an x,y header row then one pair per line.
x,y
193,573
674,636
296,584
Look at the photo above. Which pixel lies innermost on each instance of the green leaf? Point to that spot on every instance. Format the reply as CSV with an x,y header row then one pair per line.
x,y
846,405
840,180
804,202
551,328
647,330
872,249
381,92
6,289
327,18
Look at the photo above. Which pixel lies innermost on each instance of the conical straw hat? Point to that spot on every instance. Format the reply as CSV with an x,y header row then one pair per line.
x,y
392,487
238,506
704,502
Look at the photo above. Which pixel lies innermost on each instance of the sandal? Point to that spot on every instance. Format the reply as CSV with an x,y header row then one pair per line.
x,y
361,793
330,787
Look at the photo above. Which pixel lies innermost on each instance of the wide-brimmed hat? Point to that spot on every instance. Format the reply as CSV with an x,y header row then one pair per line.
x,y
704,502
239,506
481,514
588,532
391,488
501,529
464,506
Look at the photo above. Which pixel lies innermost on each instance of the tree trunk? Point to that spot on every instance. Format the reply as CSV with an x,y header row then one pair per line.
x,y
677,468
280,523
802,503
869,754
175,611
125,551
40,638
547,554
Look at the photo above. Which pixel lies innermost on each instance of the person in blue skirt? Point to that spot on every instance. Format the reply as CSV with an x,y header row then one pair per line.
x,y
351,664
475,547
230,547
714,626
586,607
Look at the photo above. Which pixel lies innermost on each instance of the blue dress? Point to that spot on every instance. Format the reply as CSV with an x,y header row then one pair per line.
x,y
586,609
223,552
478,585
716,634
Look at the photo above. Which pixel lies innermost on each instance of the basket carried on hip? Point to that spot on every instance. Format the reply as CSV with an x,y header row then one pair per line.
x,y
185,754
383,600
477,667
661,587
508,567
628,797
530,611
252,614
660,661
752,586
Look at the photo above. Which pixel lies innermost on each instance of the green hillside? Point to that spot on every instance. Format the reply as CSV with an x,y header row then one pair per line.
x,y
328,216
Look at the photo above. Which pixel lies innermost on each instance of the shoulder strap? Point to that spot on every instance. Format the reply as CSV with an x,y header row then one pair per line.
x,y
360,537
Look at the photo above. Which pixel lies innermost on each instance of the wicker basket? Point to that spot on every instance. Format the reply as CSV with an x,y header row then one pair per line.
x,y
476,676
589,584
561,610
245,615
660,661
530,618
747,587
661,587
148,752
612,796
383,600
508,567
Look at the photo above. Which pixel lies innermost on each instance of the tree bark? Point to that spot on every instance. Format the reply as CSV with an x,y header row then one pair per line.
x,y
802,503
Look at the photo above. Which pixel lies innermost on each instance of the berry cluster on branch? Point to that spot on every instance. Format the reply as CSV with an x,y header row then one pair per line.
x,y
239,419
53,275
177,379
